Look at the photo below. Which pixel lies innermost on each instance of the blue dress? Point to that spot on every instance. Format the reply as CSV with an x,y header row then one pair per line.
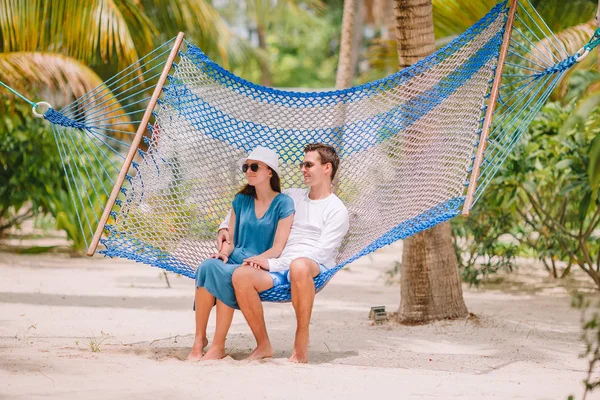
x,y
252,236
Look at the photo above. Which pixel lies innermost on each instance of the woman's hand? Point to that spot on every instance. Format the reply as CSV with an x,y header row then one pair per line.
x,y
257,262
221,256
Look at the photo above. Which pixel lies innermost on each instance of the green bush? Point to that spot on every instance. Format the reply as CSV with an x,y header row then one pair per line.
x,y
31,173
545,197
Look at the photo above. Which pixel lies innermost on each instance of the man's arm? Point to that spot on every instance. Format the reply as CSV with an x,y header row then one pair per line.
x,y
223,232
336,227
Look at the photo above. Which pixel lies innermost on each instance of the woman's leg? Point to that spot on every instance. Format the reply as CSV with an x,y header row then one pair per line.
x,y
204,302
224,317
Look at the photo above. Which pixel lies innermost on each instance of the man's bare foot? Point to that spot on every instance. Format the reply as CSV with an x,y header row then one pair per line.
x,y
300,353
263,351
214,353
299,358
197,348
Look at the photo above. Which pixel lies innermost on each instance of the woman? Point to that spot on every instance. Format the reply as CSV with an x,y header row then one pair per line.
x,y
261,220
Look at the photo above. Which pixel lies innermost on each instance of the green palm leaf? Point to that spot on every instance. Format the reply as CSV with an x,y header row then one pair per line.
x,y
61,74
61,79
202,25
96,31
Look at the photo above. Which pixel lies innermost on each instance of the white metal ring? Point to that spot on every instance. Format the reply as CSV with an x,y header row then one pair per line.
x,y
582,55
34,108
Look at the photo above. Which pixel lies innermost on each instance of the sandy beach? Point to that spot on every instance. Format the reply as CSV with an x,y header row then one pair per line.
x,y
73,328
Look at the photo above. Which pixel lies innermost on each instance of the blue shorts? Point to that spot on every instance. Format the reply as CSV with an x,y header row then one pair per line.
x,y
283,277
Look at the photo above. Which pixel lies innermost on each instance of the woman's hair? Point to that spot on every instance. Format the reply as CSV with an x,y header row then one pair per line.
x,y
275,185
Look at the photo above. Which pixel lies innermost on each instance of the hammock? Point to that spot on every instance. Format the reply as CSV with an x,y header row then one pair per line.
x,y
409,144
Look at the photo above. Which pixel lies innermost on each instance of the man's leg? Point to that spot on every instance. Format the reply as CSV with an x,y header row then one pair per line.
x,y
248,282
204,302
302,272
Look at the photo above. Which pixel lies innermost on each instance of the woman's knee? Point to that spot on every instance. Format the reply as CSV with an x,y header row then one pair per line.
x,y
210,264
207,268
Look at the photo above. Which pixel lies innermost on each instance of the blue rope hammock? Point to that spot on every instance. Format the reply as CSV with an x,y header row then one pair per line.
x,y
407,142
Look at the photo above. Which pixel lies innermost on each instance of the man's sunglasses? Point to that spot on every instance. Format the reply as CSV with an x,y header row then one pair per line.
x,y
306,164
253,167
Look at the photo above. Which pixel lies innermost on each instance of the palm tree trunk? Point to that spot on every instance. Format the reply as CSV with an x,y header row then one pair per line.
x,y
344,72
266,78
430,286
414,30
357,35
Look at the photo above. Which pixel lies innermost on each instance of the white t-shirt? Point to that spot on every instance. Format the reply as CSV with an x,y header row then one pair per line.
x,y
317,231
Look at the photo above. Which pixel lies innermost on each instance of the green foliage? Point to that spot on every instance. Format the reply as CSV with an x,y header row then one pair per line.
x,y
552,187
453,17
306,57
32,177
594,164
301,45
480,250
590,336
30,169
545,197
78,227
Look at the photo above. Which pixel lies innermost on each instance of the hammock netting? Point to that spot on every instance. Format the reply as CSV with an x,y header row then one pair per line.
x,y
406,142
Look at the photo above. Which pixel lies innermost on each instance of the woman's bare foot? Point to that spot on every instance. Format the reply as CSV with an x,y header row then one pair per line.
x,y
214,353
197,348
263,351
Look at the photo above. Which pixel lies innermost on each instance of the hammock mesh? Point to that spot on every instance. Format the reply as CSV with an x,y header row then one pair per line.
x,y
406,143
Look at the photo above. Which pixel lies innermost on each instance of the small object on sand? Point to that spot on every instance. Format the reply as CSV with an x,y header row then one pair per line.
x,y
378,314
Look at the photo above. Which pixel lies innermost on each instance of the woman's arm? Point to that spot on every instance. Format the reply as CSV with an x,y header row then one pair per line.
x,y
284,226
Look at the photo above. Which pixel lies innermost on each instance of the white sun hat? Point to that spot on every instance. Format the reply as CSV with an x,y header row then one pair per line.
x,y
264,155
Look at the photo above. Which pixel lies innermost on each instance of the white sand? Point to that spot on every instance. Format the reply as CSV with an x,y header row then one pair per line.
x,y
53,309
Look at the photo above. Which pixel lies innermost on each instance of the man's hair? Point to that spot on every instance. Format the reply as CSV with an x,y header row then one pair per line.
x,y
327,154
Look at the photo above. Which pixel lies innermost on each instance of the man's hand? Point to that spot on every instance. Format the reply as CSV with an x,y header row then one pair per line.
x,y
257,262
221,256
222,237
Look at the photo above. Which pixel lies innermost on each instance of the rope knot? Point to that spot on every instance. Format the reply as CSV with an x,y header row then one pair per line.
x,y
561,66
58,118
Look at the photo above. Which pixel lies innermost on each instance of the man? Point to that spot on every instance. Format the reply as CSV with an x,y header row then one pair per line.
x,y
320,224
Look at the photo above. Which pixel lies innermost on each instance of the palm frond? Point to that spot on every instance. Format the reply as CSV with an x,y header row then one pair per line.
x,y
560,14
453,17
202,24
58,79
94,31
572,39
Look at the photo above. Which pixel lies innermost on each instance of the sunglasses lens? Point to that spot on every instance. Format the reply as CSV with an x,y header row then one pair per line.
x,y
253,167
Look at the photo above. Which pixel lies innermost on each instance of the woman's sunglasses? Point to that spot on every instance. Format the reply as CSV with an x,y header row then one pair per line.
x,y
253,167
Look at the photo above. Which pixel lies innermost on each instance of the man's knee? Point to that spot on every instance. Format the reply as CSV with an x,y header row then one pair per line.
x,y
242,277
303,268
